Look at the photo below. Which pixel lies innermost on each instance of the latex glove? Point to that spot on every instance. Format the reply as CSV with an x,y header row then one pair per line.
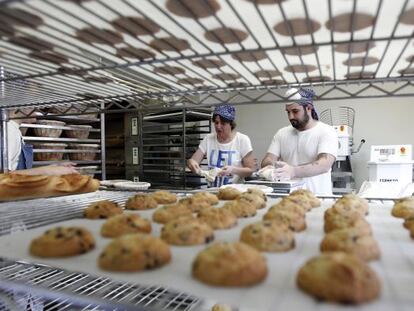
x,y
283,171
267,172
210,175
226,170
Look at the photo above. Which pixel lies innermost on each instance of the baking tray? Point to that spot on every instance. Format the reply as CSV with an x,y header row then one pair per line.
x,y
278,291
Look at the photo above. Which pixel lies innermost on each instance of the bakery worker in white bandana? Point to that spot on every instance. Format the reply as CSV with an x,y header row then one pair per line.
x,y
306,149
228,152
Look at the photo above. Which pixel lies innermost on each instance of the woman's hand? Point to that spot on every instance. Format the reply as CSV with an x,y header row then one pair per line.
x,y
193,166
227,171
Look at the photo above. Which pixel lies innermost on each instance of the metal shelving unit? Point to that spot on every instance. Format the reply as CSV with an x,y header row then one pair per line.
x,y
167,140
98,132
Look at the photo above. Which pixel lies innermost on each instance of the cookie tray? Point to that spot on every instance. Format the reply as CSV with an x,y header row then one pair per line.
x,y
78,280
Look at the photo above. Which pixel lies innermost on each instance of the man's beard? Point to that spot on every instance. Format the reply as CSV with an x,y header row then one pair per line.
x,y
300,124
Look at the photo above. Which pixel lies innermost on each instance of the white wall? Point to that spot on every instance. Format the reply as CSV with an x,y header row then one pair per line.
x,y
380,121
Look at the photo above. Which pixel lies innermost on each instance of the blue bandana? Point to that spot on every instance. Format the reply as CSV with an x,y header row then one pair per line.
x,y
307,95
226,111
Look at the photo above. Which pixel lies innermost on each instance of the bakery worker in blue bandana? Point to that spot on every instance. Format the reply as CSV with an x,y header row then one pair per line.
x,y
305,149
227,149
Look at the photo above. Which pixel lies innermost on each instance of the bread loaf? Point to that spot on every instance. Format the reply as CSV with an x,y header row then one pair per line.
x,y
16,186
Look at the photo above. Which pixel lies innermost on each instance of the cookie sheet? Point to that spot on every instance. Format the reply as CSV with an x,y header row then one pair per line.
x,y
278,291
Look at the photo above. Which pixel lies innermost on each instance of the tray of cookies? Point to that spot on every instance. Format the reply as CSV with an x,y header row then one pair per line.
x,y
245,250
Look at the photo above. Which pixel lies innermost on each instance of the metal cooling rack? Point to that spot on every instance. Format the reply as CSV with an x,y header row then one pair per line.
x,y
47,288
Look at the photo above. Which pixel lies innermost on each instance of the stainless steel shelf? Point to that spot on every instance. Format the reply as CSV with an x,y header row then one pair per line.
x,y
29,125
62,139
177,116
175,132
66,151
72,118
39,163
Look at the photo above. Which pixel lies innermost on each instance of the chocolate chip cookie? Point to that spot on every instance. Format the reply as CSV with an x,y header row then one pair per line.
x,y
62,242
102,209
187,231
124,224
267,236
141,202
230,264
134,252
339,277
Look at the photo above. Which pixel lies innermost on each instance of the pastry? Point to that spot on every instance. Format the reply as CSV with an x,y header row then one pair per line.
x,y
343,222
343,211
267,236
339,277
351,241
166,213
196,204
211,198
288,205
228,193
300,199
124,224
258,192
14,186
257,201
353,201
229,264
62,242
164,197
102,209
240,208
218,218
134,252
312,199
290,219
187,231
141,201
403,208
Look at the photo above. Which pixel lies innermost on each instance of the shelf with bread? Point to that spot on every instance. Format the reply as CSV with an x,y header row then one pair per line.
x,y
57,141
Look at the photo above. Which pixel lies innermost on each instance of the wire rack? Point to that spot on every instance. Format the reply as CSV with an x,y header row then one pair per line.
x,y
57,289
55,52
50,288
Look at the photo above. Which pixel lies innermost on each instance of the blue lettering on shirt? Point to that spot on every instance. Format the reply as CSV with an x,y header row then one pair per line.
x,y
220,159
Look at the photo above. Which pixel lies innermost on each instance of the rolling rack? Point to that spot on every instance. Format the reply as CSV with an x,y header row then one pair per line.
x,y
167,140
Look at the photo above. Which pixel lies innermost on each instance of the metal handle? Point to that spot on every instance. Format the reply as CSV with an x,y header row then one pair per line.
x,y
359,146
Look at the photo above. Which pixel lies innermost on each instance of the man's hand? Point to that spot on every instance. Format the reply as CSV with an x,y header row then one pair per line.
x,y
283,171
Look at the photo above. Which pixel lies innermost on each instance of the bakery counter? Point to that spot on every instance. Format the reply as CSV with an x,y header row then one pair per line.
x,y
78,280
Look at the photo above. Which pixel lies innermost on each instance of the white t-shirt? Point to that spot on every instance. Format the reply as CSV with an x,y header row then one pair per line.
x,y
231,153
14,143
302,147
